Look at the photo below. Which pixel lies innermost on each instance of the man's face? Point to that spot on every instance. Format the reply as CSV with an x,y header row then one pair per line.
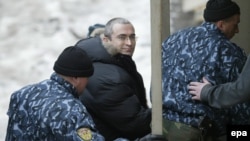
x,y
123,39
230,26
81,84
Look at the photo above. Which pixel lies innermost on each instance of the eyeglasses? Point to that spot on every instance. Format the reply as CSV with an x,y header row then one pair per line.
x,y
125,37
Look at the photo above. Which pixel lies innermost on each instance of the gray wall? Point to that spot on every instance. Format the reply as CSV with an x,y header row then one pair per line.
x,y
243,38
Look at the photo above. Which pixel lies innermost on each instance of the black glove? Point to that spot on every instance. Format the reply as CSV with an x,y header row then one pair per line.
x,y
151,137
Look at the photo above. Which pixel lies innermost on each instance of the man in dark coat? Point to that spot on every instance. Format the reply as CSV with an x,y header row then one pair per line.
x,y
115,94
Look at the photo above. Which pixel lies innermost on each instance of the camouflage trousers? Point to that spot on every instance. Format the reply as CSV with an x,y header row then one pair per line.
x,y
175,131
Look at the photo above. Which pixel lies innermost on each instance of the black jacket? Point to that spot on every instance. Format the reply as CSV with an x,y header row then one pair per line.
x,y
115,95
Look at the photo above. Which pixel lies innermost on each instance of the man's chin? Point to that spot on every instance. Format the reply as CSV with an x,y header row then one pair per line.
x,y
127,53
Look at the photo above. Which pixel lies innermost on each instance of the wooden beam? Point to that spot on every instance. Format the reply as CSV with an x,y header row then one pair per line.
x,y
160,29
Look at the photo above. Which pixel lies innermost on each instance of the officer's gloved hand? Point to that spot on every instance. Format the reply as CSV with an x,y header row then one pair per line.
x,y
151,137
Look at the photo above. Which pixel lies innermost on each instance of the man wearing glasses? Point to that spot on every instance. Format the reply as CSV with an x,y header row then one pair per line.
x,y
115,95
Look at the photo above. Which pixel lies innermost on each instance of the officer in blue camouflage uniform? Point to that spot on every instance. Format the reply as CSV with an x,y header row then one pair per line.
x,y
192,53
50,110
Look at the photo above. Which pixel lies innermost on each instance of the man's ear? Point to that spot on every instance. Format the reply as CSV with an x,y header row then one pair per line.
x,y
74,81
220,24
104,38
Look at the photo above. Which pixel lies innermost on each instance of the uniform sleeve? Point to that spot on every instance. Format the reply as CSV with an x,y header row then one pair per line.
x,y
228,94
73,122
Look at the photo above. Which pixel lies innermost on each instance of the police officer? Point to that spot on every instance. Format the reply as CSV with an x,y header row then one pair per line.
x,y
50,110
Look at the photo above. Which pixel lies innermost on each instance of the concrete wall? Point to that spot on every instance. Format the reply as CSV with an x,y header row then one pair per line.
x,y
243,38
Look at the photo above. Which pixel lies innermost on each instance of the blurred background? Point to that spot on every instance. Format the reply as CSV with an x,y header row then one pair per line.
x,y
34,32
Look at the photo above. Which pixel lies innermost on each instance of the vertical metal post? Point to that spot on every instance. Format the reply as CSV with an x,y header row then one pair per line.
x,y
160,29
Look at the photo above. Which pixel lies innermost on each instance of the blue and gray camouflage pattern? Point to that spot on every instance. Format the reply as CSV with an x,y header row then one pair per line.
x,y
187,56
49,111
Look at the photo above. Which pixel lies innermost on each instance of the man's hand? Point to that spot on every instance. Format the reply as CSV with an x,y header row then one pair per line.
x,y
196,87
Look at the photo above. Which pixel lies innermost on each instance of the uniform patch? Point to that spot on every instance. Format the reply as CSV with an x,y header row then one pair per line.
x,y
84,133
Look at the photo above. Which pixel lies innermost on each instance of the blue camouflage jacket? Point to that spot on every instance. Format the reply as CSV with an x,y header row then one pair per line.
x,y
49,111
190,54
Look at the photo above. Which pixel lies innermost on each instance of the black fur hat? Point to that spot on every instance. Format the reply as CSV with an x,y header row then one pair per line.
x,y
220,9
74,61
